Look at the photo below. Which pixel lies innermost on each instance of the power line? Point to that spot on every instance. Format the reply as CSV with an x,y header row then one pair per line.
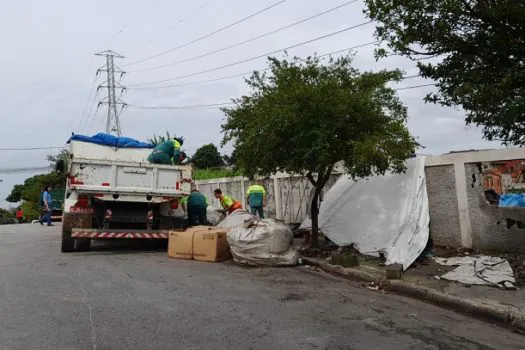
x,y
223,104
23,170
32,148
83,118
211,105
180,21
248,40
133,19
414,87
245,73
256,57
207,35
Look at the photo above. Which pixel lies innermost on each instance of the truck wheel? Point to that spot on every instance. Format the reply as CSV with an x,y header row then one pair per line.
x,y
82,244
68,243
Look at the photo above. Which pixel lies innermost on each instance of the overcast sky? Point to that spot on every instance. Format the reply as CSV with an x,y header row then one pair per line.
x,y
47,68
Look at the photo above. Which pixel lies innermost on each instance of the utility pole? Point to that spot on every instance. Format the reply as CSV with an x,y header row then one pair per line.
x,y
113,122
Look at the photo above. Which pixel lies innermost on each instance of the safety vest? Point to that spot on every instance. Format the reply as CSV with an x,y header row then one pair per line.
x,y
176,144
230,204
256,195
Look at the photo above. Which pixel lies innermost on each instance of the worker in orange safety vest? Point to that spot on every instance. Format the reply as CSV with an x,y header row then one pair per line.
x,y
227,202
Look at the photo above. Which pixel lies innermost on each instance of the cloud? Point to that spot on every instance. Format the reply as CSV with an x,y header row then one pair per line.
x,y
48,64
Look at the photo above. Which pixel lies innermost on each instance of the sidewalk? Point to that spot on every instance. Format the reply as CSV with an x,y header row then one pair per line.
x,y
423,281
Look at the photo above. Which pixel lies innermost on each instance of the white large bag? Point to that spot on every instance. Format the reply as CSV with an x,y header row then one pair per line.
x,y
238,217
264,242
214,216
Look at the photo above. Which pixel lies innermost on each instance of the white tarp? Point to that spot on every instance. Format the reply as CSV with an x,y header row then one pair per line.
x,y
382,214
265,242
480,270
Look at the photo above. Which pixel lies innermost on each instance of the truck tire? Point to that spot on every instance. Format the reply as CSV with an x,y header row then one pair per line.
x,y
82,244
68,243
70,221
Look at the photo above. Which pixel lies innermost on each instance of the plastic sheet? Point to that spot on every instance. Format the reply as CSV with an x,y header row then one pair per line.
x,y
515,200
480,270
214,216
383,214
110,140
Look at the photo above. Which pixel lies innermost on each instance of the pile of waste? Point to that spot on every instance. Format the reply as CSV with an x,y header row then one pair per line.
x,y
259,242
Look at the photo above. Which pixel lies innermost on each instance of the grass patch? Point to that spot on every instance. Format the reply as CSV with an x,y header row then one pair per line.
x,y
208,174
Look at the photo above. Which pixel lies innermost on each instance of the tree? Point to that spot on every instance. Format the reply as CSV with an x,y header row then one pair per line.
x,y
62,156
304,116
207,156
231,159
481,49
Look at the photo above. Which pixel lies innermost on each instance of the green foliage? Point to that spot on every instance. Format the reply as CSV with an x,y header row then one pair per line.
x,y
30,190
480,44
6,217
207,156
63,156
31,210
231,159
208,174
306,115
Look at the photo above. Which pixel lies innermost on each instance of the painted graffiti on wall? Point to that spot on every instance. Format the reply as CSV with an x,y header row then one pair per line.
x,y
504,176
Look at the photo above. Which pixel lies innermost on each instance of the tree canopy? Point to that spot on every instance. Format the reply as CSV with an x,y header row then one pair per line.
x,y
207,156
304,116
479,47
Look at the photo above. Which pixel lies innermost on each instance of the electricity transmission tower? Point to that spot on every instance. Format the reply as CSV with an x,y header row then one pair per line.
x,y
112,101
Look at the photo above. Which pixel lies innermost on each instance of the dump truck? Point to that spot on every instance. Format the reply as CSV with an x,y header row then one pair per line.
x,y
115,193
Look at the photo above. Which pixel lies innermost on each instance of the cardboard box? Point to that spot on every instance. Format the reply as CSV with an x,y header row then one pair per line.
x,y
201,243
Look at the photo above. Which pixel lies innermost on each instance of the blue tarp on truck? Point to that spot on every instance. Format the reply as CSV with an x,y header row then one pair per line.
x,y
111,140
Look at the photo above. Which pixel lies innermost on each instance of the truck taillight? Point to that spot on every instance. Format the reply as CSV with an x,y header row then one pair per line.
x,y
108,214
74,181
82,202
150,215
177,185
174,204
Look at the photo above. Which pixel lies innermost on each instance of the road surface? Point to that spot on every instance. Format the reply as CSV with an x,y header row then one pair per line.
x,y
118,298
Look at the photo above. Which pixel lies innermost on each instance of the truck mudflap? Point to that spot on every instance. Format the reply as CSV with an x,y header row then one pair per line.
x,y
118,234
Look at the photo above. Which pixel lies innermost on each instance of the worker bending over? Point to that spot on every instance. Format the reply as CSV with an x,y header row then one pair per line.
x,y
195,206
168,152
256,199
227,202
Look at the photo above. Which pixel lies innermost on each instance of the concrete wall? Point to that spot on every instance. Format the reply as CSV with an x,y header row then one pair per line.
x,y
288,196
443,205
460,216
469,220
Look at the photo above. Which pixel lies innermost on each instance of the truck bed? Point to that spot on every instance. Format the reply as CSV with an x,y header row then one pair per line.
x,y
128,181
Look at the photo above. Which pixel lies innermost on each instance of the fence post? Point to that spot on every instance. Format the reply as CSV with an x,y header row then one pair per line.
x,y
277,198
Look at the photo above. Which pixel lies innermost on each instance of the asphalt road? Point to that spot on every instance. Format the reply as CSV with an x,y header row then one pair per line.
x,y
123,298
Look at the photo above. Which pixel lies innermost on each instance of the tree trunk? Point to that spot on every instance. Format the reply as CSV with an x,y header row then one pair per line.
x,y
314,214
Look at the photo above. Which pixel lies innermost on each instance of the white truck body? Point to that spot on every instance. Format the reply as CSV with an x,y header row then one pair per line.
x,y
116,193
122,174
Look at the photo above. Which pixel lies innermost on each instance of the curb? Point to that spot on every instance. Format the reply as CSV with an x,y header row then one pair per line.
x,y
461,305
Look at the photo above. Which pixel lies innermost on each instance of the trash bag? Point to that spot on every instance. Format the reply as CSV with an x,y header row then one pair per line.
x,y
214,216
236,218
264,242
512,200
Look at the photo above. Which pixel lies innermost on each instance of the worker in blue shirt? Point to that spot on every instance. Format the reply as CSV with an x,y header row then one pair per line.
x,y
47,207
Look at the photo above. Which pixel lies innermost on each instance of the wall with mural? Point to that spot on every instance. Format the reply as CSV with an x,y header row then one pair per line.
x,y
504,176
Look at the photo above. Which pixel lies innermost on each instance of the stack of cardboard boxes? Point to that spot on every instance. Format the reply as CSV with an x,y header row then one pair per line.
x,y
201,243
